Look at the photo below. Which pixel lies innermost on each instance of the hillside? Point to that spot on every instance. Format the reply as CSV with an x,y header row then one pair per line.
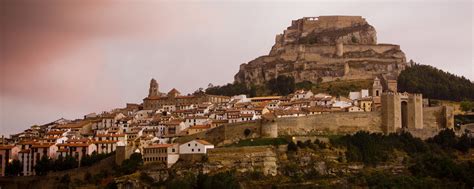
x,y
435,83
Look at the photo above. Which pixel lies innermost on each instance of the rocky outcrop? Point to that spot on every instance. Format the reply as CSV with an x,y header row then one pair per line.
x,y
244,159
326,47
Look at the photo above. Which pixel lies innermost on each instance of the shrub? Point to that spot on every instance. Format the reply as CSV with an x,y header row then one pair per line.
x,y
464,143
14,168
292,147
247,132
300,144
220,180
88,177
130,165
320,144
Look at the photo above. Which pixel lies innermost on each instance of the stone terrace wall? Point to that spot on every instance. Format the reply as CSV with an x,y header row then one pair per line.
x,y
335,123
251,158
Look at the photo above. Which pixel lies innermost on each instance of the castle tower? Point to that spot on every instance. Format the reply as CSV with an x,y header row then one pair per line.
x,y
391,112
392,85
268,126
154,88
415,111
377,91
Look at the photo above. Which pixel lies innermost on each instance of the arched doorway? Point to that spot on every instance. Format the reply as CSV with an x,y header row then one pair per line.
x,y
404,115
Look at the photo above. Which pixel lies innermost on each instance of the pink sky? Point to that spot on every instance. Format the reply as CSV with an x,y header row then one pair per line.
x,y
69,58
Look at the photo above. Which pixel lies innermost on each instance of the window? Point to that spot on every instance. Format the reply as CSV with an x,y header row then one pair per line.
x,y
192,150
195,144
189,144
199,149
172,150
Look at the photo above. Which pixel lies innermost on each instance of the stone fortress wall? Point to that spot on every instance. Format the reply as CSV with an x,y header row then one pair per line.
x,y
401,112
334,123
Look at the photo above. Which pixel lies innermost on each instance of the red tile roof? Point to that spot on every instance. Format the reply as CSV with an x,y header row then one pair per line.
x,y
203,142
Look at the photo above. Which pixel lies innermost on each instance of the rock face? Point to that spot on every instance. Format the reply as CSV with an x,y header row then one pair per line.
x,y
326,47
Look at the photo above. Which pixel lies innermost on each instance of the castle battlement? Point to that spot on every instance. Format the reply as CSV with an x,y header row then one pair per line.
x,y
402,94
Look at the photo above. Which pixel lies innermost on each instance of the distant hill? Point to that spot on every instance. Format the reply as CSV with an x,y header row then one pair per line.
x,y
435,83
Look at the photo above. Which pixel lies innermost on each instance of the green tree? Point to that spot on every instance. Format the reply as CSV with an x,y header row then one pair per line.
x,y
231,89
282,85
306,85
43,166
292,147
464,143
467,105
130,165
445,139
13,168
435,83
70,163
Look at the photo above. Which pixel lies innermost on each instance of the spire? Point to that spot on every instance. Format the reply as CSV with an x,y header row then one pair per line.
x,y
153,91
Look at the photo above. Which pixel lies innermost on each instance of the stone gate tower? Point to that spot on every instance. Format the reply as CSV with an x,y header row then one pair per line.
x,y
401,112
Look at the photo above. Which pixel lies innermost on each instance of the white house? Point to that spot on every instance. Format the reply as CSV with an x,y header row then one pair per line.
x,y
196,120
240,98
359,94
302,94
341,104
195,147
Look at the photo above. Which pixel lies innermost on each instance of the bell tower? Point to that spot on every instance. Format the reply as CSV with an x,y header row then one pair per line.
x,y
377,91
154,88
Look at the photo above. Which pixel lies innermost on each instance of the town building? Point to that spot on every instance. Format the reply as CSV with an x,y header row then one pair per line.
x,y
164,153
195,147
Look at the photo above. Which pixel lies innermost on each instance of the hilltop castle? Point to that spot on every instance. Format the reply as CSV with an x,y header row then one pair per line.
x,y
326,47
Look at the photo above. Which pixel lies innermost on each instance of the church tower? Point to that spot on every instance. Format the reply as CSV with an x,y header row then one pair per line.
x,y
377,91
154,88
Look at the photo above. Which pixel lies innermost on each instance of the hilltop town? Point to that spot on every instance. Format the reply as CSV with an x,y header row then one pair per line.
x,y
208,133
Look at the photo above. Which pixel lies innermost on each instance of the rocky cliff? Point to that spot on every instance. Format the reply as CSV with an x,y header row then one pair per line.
x,y
326,47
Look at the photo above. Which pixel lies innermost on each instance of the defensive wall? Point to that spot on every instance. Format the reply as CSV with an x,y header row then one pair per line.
x,y
334,123
432,120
